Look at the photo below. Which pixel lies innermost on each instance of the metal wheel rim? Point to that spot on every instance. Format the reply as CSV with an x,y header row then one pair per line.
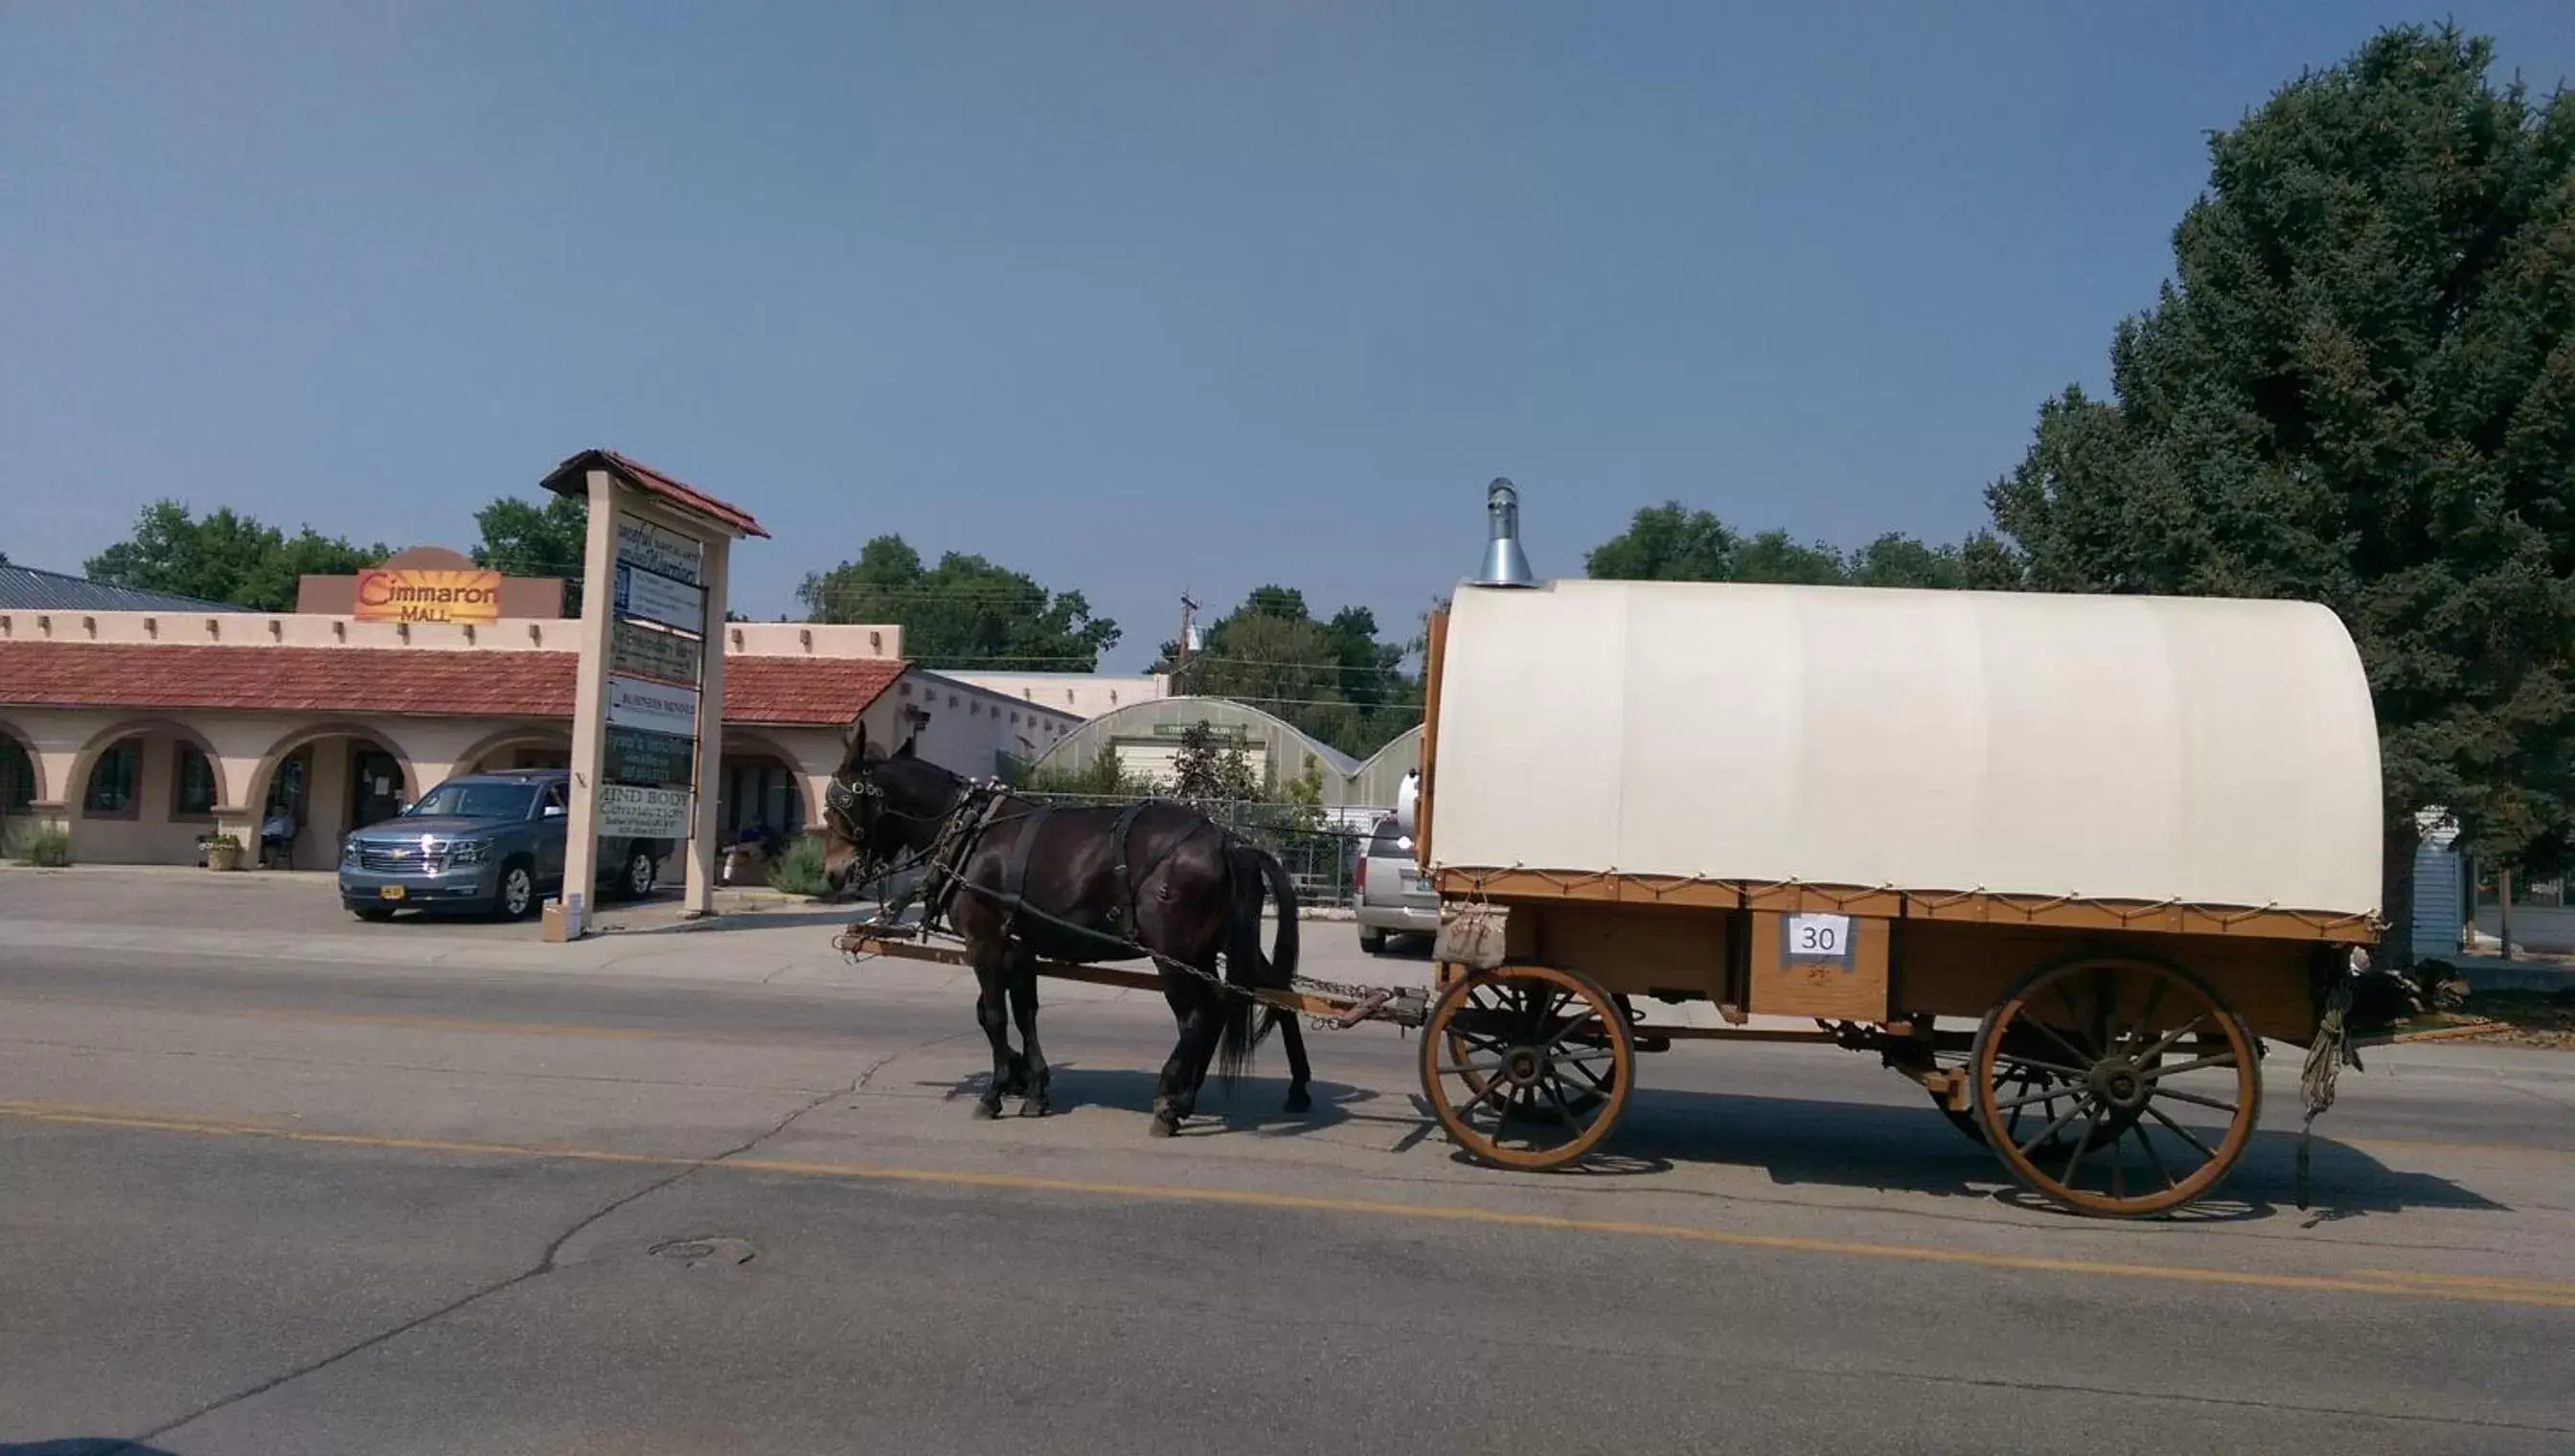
x,y
638,875
2104,1015
1533,1039
515,888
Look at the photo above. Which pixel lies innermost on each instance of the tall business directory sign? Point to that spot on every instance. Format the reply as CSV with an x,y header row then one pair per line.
x,y
647,718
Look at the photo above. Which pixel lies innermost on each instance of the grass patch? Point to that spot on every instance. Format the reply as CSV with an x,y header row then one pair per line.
x,y
800,869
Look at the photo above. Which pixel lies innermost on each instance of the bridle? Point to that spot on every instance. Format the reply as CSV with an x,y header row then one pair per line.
x,y
842,803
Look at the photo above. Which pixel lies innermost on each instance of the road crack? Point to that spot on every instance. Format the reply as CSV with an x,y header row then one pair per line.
x,y
552,1259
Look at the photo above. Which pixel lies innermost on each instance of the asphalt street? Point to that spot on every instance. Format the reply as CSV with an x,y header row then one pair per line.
x,y
398,1189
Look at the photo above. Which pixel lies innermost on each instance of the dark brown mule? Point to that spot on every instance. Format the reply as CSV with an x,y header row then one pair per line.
x,y
1023,882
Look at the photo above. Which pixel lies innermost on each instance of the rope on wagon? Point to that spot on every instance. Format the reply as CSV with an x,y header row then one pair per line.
x,y
2327,1054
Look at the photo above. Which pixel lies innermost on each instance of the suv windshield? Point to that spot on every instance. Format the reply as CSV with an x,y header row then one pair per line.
x,y
474,802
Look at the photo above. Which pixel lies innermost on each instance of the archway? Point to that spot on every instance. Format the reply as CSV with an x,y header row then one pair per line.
x,y
317,784
22,783
528,747
143,791
760,788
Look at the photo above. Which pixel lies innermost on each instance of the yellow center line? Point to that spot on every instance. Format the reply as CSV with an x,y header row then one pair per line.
x,y
2473,1281
2416,1286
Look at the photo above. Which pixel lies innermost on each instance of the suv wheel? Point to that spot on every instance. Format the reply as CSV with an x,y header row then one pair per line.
x,y
517,893
1372,941
636,881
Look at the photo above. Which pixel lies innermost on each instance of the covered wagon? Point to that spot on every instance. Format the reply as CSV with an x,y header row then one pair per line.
x,y
2064,860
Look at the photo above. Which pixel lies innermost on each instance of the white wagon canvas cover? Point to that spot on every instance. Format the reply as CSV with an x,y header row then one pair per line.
x,y
2211,753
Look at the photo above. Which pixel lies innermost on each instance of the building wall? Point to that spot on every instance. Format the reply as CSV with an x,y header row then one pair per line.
x,y
970,728
526,635
1083,695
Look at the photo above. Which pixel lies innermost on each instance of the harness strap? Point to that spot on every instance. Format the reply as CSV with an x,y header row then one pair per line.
x,y
1015,873
948,858
1126,879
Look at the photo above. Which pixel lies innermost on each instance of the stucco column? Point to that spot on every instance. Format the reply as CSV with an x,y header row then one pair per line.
x,y
589,743
700,895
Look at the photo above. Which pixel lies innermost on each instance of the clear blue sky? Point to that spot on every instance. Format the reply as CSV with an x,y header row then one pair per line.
x,y
1133,296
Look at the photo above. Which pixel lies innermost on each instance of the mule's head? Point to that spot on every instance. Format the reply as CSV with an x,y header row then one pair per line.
x,y
877,805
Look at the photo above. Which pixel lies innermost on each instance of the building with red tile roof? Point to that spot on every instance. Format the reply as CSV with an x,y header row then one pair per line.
x,y
140,732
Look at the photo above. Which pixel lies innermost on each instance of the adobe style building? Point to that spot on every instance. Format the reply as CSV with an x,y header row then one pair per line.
x,y
140,725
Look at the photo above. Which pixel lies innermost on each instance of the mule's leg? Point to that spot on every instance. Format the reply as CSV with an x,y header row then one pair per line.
x,y
990,975
1210,1012
1173,1093
1299,1073
1024,1013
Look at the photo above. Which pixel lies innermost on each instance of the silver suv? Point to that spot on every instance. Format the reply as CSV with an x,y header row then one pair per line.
x,y
1392,898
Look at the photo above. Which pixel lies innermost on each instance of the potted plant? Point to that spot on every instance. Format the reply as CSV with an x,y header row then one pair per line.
x,y
223,852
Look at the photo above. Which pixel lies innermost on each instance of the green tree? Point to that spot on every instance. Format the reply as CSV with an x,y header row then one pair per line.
x,y
1672,543
1207,773
1335,679
223,557
2359,389
1667,543
521,538
964,612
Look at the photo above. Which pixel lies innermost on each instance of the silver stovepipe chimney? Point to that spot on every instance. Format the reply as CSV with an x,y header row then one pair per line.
x,y
1506,565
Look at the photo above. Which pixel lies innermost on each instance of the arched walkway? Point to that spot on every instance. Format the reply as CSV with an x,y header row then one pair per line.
x,y
761,785
22,773
142,791
528,746
153,733
331,778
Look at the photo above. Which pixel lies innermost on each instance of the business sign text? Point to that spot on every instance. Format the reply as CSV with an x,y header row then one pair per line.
x,y
656,598
640,755
631,811
654,707
643,544
393,595
640,651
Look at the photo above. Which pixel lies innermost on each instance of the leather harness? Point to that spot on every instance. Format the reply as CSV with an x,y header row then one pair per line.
x,y
1124,913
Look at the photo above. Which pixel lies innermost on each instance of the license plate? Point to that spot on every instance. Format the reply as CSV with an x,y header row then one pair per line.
x,y
390,893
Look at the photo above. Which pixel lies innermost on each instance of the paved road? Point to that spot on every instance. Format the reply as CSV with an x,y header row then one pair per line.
x,y
279,1203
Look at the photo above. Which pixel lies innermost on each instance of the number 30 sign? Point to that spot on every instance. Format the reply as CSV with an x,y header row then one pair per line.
x,y
1816,937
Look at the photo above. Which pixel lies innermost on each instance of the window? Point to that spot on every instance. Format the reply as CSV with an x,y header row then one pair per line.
x,y
1390,841
112,781
193,786
17,777
473,800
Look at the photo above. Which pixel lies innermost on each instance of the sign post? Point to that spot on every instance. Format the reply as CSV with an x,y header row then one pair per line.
x,y
648,713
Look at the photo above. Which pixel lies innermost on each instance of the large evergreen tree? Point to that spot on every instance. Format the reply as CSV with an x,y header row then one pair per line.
x,y
2359,389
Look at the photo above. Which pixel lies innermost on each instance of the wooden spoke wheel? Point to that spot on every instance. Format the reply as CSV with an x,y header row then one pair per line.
x,y
2116,1087
1527,1066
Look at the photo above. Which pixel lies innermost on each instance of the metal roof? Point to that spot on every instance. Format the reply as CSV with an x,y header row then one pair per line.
x,y
28,589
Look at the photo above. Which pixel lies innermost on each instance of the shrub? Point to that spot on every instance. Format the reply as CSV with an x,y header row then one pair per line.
x,y
47,846
800,869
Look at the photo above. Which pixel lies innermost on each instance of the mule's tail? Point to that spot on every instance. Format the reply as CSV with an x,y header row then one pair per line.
x,y
1251,870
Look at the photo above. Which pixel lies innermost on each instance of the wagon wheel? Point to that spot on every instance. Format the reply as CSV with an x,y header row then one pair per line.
x,y
1527,1066
2143,1086
2024,1043
1582,1091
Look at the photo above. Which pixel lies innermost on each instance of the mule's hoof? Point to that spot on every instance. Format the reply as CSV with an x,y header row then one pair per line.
x,y
1297,1101
1037,1108
987,1109
1165,1127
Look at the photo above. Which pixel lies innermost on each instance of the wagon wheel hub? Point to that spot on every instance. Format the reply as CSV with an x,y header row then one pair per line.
x,y
1523,1066
2119,1084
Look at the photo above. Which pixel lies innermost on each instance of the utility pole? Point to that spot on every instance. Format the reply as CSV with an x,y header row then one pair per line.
x,y
1181,663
